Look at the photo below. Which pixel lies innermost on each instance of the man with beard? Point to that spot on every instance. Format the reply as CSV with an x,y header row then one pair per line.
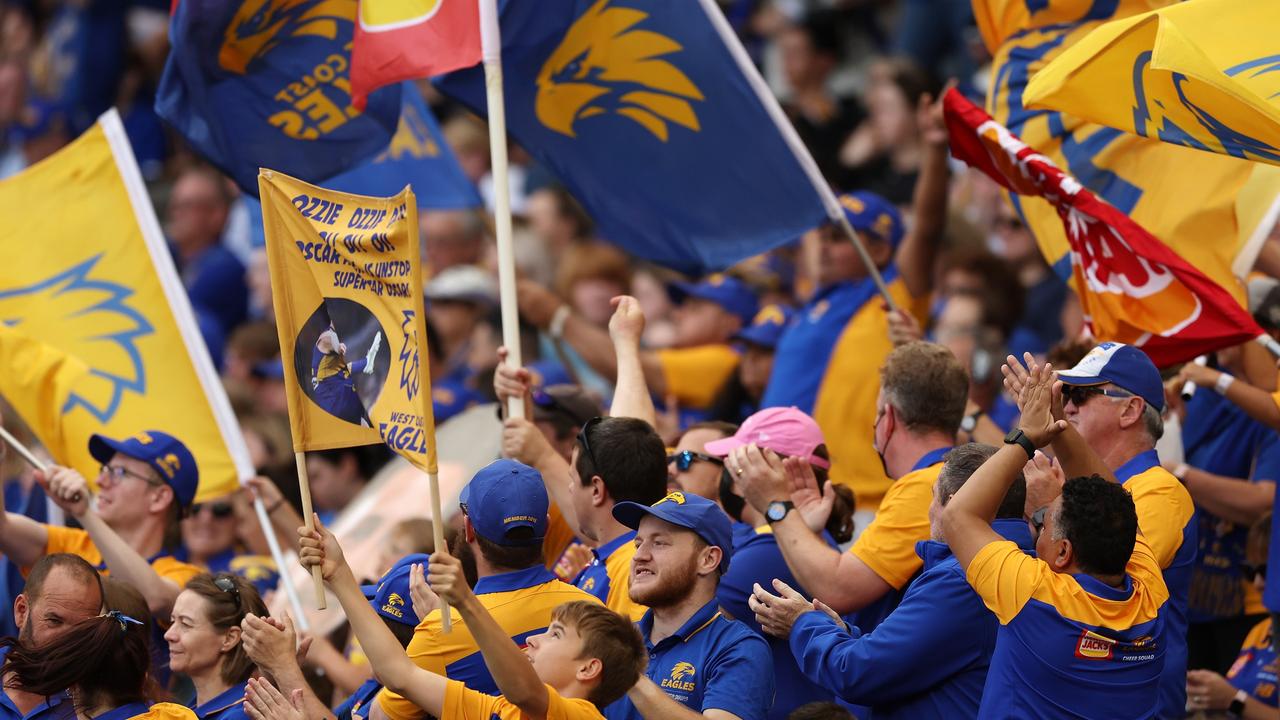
x,y
504,510
61,590
701,662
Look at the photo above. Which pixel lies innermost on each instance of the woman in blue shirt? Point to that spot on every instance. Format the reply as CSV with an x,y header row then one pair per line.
x,y
205,644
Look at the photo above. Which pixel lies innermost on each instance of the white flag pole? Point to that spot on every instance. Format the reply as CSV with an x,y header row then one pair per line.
x,y
491,46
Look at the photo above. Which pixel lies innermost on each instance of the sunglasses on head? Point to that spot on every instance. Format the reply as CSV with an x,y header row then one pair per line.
x,y
227,585
220,509
685,458
1078,395
584,440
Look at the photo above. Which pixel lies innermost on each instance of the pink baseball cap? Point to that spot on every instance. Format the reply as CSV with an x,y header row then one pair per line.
x,y
786,431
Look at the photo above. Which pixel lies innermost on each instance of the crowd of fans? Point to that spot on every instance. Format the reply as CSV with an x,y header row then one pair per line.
x,y
772,492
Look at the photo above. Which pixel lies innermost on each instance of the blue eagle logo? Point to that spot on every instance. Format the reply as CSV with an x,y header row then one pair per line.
x,y
97,326
259,26
605,65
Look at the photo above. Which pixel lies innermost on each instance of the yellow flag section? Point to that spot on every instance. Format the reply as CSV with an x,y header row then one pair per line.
x,y
1212,210
1203,74
96,332
347,290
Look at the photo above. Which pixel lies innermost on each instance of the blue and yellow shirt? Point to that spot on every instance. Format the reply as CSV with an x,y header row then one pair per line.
x,y
1070,646
710,662
608,577
828,365
757,559
694,375
1166,517
1271,593
464,703
1254,671
521,602
143,711
888,545
357,706
227,706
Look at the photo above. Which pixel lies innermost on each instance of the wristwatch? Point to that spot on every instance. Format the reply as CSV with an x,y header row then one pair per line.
x,y
1017,437
1236,708
971,421
778,510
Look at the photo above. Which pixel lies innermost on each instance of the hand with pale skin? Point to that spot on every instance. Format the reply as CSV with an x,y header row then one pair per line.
x,y
447,579
930,118
67,488
262,701
759,474
626,326
1207,690
510,382
424,599
522,441
265,490
1015,379
777,614
1039,395
1044,481
272,643
903,327
319,548
575,559
814,505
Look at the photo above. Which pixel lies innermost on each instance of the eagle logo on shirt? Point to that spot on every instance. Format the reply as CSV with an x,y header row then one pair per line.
x,y
604,65
681,677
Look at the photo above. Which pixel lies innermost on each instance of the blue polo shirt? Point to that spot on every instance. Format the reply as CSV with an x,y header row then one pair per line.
x,y
227,706
710,662
757,559
357,706
928,658
608,577
58,707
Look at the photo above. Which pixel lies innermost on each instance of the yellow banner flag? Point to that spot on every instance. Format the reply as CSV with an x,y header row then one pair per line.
x,y
96,332
1212,210
347,288
1203,74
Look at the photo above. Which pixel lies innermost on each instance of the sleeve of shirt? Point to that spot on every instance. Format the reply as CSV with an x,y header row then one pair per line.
x,y
425,651
558,537
1164,508
175,570
888,545
73,541
461,701
1005,578
741,680
924,641
694,375
917,306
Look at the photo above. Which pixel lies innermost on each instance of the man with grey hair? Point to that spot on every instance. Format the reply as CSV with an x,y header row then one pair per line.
x,y
1112,400
929,657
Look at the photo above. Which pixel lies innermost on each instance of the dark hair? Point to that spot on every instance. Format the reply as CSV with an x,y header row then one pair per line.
x,y
105,659
1100,520
226,609
840,524
369,459
512,557
404,633
1001,294
435,346
823,30
820,710
611,638
123,597
927,387
961,462
73,564
629,457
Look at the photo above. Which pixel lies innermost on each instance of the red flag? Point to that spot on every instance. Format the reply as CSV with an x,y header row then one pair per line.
x,y
1132,287
405,39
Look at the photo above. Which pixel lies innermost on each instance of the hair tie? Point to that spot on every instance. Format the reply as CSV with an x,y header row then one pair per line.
x,y
123,619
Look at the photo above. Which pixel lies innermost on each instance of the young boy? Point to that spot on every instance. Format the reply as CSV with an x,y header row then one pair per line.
x,y
588,657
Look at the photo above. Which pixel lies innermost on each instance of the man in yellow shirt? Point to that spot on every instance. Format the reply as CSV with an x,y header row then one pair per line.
x,y
923,391
147,483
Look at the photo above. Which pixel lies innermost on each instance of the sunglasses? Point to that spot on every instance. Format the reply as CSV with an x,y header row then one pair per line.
x,y
1037,521
221,510
1079,395
686,458
227,585
583,438
1253,572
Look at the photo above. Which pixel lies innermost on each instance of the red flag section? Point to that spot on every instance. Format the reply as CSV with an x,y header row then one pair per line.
x,y
1132,287
405,39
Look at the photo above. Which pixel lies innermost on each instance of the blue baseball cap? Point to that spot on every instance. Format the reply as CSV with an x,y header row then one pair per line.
x,y
726,291
171,460
693,512
767,327
503,496
873,215
1124,366
390,596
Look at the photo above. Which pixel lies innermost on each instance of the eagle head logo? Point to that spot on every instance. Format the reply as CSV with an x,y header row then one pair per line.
x,y
395,600
682,670
259,26
605,65
94,322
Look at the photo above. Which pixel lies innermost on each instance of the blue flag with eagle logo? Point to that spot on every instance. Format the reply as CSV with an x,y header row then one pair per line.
x,y
644,113
266,83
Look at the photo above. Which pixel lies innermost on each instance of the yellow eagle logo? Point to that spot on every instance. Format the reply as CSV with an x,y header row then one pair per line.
x,y
604,65
259,26
682,670
395,600
675,497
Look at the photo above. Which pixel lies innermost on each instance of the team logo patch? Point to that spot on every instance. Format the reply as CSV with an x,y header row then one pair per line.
x,y
259,26
681,677
675,497
1092,646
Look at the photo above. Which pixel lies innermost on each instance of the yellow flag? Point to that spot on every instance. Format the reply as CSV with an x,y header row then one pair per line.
x,y
96,332
1210,209
347,289
1203,74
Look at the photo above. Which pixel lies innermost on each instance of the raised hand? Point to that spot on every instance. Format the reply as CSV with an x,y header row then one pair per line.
x,y
523,441
813,504
627,324
67,488
1044,481
903,327
1036,400
320,548
510,382
759,474
262,701
424,598
447,579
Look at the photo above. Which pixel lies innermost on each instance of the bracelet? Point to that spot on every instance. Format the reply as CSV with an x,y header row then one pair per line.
x,y
556,327
1224,382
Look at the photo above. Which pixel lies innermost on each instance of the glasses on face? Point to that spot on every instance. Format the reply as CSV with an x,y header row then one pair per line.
x,y
1253,572
583,439
1037,521
685,458
1078,395
118,473
227,585
221,510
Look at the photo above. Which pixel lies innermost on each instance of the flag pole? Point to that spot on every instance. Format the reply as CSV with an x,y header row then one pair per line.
x,y
491,46
437,530
834,212
308,515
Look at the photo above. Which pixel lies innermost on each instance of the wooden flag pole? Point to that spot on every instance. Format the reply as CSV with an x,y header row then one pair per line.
x,y
437,532
304,485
